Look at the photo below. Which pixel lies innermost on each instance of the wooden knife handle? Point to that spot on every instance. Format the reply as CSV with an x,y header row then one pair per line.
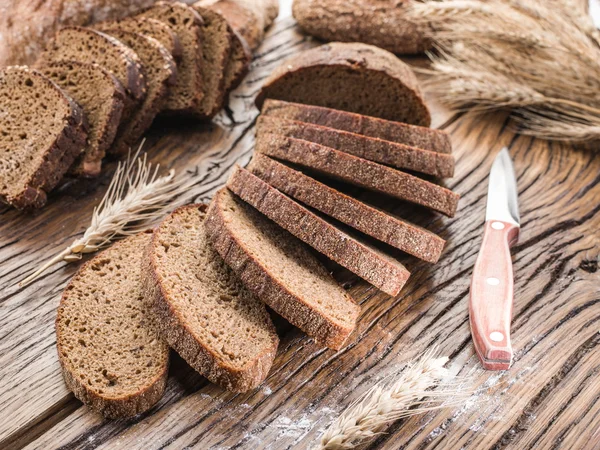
x,y
491,302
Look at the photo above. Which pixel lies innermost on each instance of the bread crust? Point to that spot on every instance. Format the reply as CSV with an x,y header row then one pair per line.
x,y
112,408
399,156
398,233
59,156
357,59
173,328
401,133
360,172
258,279
377,22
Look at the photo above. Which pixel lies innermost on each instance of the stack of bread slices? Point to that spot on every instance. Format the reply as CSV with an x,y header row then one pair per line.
x,y
201,281
96,90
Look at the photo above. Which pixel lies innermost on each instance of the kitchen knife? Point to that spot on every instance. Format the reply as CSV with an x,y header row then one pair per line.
x,y
491,301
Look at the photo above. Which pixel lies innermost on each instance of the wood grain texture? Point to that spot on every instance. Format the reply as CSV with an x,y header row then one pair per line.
x,y
549,399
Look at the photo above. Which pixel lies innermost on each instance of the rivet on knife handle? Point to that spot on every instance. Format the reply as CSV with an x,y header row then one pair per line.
x,y
491,301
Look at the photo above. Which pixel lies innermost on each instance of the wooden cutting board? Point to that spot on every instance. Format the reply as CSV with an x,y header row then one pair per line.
x,y
549,399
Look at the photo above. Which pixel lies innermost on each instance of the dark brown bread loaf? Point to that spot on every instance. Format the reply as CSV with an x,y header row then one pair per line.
x,y
185,96
160,74
200,307
41,133
352,77
359,172
239,61
369,263
396,232
90,46
280,270
216,49
148,27
111,358
401,133
101,96
385,152
378,22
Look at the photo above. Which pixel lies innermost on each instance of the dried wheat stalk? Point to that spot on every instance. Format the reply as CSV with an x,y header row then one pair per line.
x,y
538,59
391,400
136,197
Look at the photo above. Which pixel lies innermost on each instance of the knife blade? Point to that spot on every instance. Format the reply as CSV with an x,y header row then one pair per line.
x,y
491,293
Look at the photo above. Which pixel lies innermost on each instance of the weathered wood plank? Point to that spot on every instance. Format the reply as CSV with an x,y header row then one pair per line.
x,y
549,396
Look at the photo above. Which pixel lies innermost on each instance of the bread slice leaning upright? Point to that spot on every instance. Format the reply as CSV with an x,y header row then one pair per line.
x,y
110,357
102,98
200,307
42,131
280,270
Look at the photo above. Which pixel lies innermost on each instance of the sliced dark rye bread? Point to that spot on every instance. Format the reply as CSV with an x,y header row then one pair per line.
x,y
102,97
401,133
400,156
160,73
353,77
216,49
42,132
91,46
280,270
111,358
351,252
201,308
148,27
185,96
359,172
387,228
241,55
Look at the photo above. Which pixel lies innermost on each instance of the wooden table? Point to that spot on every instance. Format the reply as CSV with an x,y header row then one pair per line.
x,y
549,399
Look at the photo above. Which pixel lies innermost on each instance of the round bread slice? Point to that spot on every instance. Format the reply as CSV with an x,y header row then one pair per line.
x,y
216,49
42,131
160,73
111,359
200,307
280,270
101,96
186,23
353,77
91,46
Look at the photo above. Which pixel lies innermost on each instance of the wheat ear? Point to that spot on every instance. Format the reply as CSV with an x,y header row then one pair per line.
x,y
393,399
136,197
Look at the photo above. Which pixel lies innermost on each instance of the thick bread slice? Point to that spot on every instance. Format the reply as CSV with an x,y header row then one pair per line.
x,y
381,22
42,131
396,232
102,97
250,18
353,77
110,357
359,172
185,96
90,46
369,263
401,133
200,307
148,27
280,270
241,54
160,73
216,49
400,156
